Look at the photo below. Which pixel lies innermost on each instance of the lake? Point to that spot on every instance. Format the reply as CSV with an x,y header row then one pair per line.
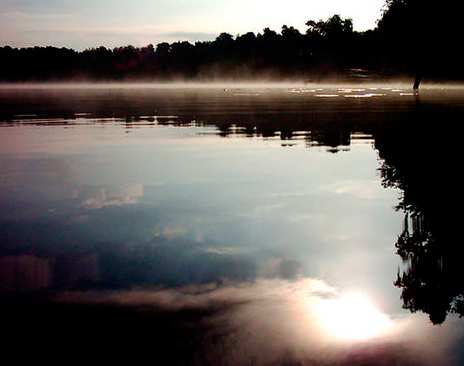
x,y
265,224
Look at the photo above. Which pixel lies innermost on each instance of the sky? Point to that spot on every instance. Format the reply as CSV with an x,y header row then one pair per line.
x,y
81,24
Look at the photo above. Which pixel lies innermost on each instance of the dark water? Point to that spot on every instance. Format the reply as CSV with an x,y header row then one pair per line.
x,y
232,225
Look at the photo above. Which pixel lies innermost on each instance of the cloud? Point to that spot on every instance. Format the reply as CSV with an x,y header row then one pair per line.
x,y
266,322
14,15
191,37
204,295
96,197
72,23
359,189
227,250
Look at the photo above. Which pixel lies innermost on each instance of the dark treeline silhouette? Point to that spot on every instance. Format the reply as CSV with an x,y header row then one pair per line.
x,y
328,47
422,37
411,38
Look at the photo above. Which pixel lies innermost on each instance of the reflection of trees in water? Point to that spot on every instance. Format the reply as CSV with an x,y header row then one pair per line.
x,y
420,162
415,142
431,281
418,159
322,131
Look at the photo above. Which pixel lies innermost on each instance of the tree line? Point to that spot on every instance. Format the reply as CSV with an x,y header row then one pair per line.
x,y
411,38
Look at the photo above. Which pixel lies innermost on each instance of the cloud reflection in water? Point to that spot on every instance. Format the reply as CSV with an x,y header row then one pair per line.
x,y
269,321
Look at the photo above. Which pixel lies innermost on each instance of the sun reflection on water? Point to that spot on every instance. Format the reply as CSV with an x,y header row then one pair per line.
x,y
353,317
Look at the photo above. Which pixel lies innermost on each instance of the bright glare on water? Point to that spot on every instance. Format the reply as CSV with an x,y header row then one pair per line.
x,y
353,317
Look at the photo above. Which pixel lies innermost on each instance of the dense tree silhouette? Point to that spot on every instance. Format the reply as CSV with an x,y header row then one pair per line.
x,y
413,37
421,37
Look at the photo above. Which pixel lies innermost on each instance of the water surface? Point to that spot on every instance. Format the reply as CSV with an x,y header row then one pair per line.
x,y
234,225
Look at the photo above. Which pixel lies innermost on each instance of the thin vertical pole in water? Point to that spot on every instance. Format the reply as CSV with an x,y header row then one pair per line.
x,y
417,80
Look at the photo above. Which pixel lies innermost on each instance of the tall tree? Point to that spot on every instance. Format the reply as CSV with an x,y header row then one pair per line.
x,y
422,36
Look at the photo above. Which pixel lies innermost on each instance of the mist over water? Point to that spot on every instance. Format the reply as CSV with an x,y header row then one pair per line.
x,y
252,83
232,224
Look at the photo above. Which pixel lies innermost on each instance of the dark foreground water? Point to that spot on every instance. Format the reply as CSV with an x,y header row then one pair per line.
x,y
231,225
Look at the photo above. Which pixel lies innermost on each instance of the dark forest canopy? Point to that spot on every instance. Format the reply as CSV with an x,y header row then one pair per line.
x,y
422,37
411,37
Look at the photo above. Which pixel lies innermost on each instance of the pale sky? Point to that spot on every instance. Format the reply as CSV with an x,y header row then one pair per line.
x,y
81,24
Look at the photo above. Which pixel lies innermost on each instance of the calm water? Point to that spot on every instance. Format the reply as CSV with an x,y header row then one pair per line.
x,y
232,225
